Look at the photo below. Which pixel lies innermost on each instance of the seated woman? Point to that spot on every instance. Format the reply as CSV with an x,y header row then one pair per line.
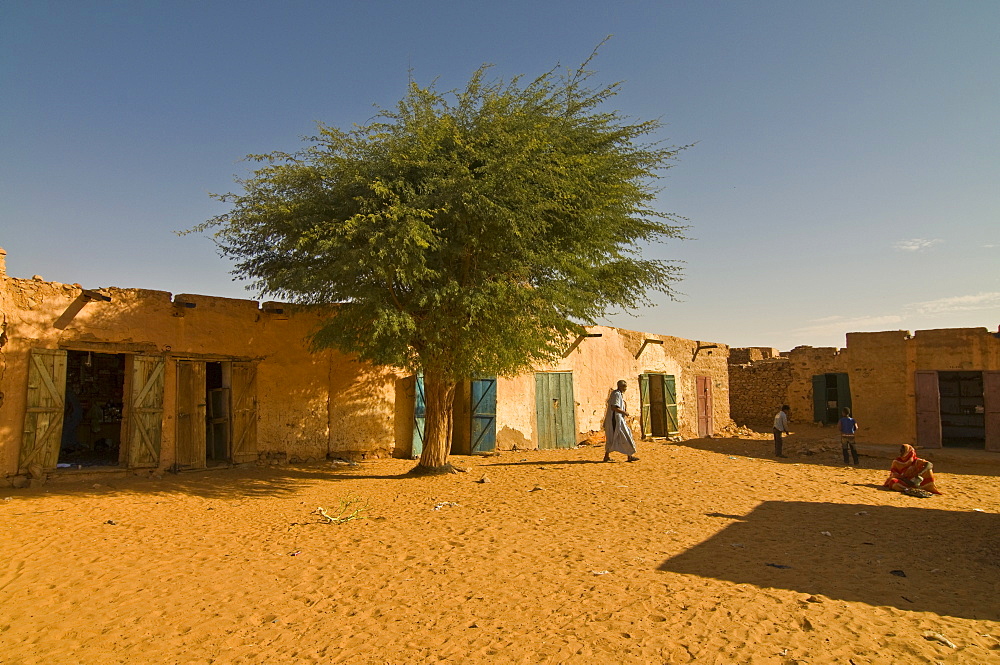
x,y
909,473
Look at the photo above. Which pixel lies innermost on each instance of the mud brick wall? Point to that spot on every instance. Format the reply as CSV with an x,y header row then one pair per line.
x,y
757,390
751,354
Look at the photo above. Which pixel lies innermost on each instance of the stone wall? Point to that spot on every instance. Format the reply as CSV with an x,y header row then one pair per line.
x,y
880,366
758,389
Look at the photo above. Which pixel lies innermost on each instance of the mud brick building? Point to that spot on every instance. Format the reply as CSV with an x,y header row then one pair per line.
x,y
933,388
137,381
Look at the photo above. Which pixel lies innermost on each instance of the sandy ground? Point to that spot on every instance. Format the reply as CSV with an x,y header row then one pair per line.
x,y
704,552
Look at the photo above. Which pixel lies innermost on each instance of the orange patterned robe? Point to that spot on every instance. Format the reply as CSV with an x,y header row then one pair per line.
x,y
909,471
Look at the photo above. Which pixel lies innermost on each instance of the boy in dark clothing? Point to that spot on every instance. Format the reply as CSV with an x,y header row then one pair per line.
x,y
848,426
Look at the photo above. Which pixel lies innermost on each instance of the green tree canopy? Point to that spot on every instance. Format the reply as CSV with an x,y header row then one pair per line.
x,y
461,233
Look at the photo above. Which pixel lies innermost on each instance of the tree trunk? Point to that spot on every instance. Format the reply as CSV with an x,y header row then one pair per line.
x,y
439,398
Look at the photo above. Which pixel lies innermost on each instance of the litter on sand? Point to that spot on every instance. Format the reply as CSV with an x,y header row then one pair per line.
x,y
441,505
938,637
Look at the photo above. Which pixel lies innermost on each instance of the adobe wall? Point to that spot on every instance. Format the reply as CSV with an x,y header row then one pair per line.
x,y
309,404
881,367
880,371
313,405
597,363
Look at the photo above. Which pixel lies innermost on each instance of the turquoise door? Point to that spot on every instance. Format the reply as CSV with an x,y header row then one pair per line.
x,y
419,417
484,415
555,410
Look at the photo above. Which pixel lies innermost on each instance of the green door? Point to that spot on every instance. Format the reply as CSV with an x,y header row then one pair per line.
x,y
658,401
555,410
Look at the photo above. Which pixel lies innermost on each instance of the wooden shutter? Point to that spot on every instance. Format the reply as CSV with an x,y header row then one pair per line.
x,y
670,396
645,412
484,415
843,394
928,397
190,437
566,414
419,416
43,418
144,395
243,410
819,398
544,415
991,402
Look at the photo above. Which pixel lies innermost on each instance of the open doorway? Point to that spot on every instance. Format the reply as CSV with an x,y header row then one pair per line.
x,y
963,412
216,413
92,425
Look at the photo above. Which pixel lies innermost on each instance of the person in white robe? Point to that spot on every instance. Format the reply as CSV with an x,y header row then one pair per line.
x,y
617,434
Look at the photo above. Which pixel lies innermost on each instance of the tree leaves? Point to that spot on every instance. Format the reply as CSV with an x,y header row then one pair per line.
x,y
469,231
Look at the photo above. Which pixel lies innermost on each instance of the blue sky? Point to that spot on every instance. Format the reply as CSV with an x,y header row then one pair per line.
x,y
845,174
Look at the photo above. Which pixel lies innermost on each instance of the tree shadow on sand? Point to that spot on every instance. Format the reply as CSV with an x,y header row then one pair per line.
x,y
216,483
911,558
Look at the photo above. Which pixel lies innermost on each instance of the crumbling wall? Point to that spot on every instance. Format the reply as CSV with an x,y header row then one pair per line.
x,y
751,354
758,389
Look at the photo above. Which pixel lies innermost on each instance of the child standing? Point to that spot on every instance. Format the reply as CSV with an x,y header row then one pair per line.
x,y
848,426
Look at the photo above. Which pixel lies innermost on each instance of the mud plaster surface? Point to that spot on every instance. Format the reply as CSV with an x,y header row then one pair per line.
x,y
557,559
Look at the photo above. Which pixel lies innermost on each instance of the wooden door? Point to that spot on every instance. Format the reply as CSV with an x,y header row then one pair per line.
x,y
819,397
243,411
144,409
555,410
419,416
670,403
843,395
703,387
484,415
658,401
928,397
991,404
43,418
190,440
645,407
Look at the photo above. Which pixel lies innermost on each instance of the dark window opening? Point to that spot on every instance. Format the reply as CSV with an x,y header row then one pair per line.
x,y
92,427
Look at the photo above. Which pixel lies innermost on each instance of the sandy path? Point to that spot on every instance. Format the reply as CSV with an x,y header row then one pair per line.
x,y
198,568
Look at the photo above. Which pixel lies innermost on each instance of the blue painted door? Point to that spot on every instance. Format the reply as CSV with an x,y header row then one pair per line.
x,y
419,417
484,415
555,410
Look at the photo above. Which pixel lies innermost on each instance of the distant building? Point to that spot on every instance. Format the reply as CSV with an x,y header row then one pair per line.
x,y
932,389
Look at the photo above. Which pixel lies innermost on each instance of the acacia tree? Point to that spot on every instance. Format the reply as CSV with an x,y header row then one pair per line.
x,y
463,233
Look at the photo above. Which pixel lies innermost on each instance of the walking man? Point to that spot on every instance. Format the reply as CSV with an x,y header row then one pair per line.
x,y
781,428
617,435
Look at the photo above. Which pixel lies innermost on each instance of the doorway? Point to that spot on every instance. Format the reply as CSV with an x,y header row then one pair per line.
x,y
113,417
217,424
963,409
94,401
831,394
658,398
